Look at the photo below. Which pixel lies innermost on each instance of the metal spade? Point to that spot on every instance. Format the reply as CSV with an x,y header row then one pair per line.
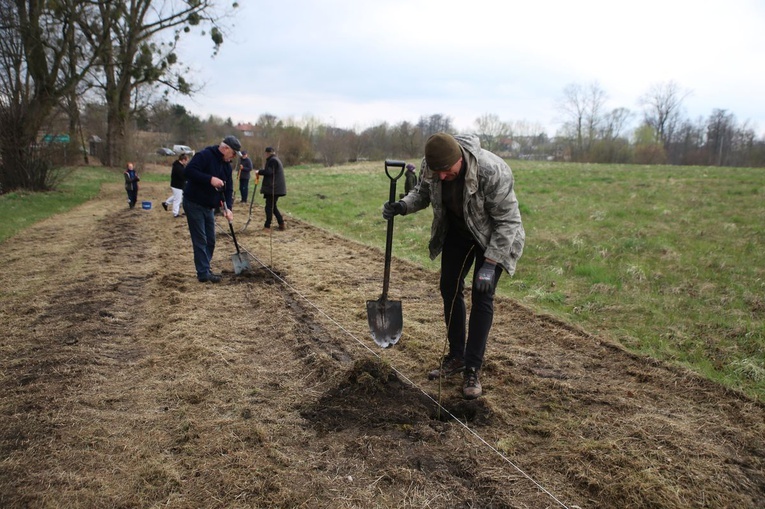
x,y
385,317
240,260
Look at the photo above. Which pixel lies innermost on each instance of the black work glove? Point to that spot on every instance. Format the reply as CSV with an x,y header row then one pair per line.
x,y
391,209
484,279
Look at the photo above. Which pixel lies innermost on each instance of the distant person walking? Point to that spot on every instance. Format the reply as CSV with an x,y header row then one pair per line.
x,y
245,168
475,220
209,180
274,186
131,184
177,181
411,179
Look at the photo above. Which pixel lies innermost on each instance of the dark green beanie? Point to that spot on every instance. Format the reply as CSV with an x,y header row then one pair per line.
x,y
442,151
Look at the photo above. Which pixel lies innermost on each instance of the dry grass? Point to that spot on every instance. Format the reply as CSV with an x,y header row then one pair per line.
x,y
128,384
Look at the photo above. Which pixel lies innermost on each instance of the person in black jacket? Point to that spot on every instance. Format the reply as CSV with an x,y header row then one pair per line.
x,y
411,179
245,168
131,184
177,181
274,186
209,181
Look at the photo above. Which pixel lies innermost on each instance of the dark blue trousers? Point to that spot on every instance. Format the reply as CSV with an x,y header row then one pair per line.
x,y
202,230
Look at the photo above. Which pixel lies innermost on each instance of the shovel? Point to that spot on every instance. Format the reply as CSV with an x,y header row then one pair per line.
x,y
385,319
252,200
241,260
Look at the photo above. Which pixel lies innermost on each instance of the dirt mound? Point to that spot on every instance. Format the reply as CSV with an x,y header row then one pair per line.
x,y
127,383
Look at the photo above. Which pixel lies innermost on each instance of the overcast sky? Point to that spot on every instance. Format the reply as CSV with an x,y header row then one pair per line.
x,y
356,63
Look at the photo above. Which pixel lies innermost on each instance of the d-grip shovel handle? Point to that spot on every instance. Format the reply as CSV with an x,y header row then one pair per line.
x,y
389,236
394,164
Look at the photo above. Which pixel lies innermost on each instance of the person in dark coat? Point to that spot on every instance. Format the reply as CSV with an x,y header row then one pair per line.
x,y
177,181
131,184
245,168
209,181
411,179
274,186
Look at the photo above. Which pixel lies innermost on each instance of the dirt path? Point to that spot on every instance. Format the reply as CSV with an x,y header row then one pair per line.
x,y
126,383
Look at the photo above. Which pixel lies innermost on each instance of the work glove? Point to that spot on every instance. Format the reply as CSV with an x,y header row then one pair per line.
x,y
484,280
391,209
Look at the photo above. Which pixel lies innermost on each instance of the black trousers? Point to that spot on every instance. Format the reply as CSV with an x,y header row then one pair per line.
x,y
244,188
272,210
132,197
458,255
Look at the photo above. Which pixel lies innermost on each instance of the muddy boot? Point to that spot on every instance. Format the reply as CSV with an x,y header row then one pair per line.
x,y
210,277
471,386
449,366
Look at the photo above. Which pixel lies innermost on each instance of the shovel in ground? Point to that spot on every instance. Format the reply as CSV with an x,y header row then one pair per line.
x,y
252,200
384,316
240,260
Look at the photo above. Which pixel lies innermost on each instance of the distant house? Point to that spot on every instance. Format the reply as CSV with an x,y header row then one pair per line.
x,y
245,129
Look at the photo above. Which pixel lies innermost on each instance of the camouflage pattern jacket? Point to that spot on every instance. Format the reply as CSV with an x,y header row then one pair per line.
x,y
490,205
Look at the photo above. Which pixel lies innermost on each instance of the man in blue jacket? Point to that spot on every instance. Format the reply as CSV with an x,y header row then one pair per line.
x,y
208,182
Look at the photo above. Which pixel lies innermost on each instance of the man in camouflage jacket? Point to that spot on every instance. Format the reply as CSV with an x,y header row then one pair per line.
x,y
475,220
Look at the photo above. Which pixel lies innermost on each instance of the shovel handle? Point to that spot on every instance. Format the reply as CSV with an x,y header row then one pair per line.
x,y
230,224
394,164
389,233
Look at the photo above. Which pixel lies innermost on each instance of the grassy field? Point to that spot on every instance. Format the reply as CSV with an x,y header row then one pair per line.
x,y
669,261
22,209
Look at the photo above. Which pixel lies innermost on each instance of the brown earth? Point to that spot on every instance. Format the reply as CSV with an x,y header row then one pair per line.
x,y
126,383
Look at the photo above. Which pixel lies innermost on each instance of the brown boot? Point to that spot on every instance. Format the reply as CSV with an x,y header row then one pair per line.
x,y
449,366
282,227
471,386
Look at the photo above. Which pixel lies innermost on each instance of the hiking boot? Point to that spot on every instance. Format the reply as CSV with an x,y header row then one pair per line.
x,y
164,206
282,227
471,386
449,366
210,278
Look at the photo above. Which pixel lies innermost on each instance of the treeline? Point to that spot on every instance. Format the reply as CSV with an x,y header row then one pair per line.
x,y
662,135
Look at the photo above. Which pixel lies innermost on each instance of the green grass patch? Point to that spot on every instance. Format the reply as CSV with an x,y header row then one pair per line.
x,y
22,209
668,260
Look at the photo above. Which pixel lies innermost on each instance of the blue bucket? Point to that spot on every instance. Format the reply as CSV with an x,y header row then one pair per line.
x,y
146,205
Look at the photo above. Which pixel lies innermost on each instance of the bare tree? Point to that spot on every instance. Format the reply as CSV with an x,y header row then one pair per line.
x,y
41,63
124,35
662,106
407,140
434,124
614,123
492,131
581,107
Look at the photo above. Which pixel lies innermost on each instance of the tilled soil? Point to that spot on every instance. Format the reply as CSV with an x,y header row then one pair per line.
x,y
127,383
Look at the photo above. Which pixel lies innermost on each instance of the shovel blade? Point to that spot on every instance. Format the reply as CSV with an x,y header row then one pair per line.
x,y
241,262
386,321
